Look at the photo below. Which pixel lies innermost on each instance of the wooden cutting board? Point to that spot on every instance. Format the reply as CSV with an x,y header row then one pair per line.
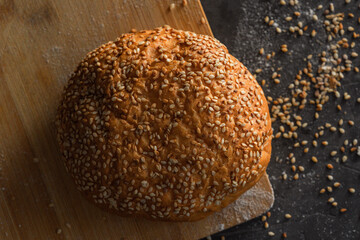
x,y
41,42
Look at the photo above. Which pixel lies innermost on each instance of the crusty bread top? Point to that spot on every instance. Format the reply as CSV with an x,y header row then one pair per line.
x,y
164,124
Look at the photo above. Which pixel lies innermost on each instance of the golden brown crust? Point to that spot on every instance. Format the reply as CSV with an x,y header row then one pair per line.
x,y
164,124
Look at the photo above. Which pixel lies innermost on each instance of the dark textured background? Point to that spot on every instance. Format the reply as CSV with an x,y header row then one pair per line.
x,y
240,26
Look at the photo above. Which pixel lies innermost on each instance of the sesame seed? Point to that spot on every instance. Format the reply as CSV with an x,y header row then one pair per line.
x,y
284,176
261,51
266,225
329,166
172,6
314,159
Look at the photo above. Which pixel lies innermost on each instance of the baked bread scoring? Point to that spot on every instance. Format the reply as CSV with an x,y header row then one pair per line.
x,y
163,124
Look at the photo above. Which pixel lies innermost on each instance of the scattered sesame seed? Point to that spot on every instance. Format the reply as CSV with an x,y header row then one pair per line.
x,y
284,176
329,166
313,33
266,19
296,176
314,159
261,51
266,225
331,7
346,96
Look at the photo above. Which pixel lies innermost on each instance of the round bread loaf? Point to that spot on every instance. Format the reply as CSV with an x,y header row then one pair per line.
x,y
163,124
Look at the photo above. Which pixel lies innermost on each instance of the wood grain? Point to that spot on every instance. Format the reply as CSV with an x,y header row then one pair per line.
x,y
41,42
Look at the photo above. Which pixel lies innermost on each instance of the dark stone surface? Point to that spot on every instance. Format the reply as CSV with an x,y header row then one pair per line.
x,y
240,26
